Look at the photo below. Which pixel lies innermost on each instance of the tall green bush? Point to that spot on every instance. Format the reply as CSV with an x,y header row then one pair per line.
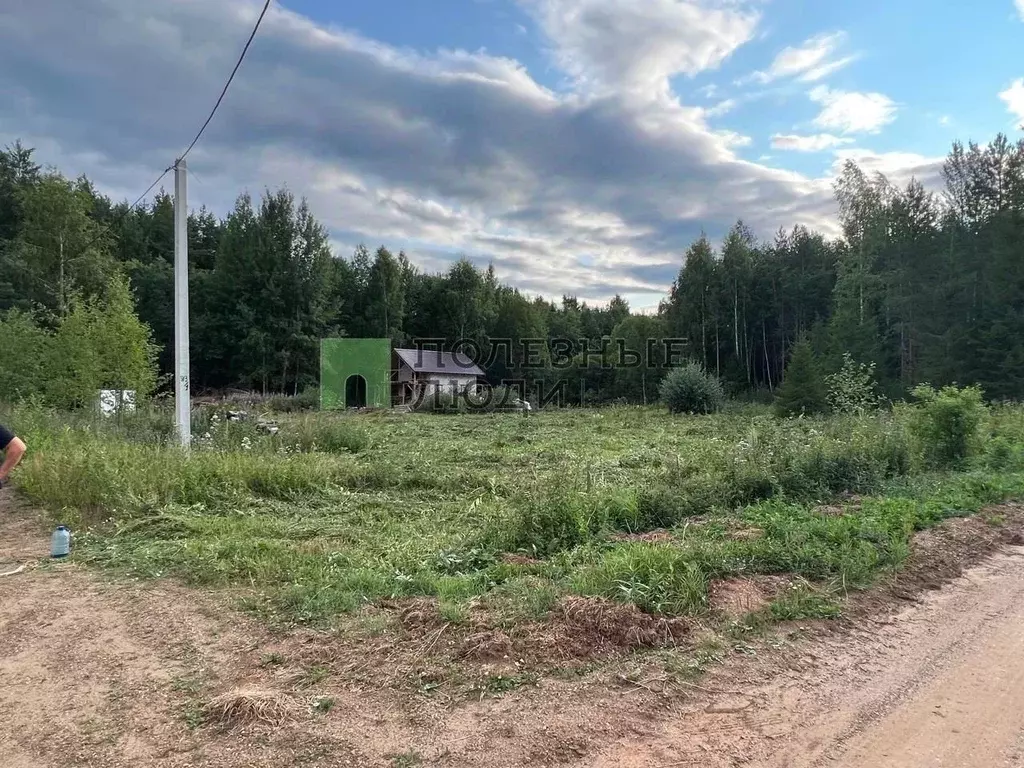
x,y
947,424
99,344
853,389
25,350
803,388
690,389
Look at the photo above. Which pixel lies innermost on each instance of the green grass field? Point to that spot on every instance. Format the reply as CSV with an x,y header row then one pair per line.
x,y
506,512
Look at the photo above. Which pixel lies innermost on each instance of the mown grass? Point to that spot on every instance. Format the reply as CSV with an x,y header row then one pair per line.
x,y
337,511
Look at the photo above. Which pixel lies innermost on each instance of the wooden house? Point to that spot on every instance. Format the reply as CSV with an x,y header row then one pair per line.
x,y
419,373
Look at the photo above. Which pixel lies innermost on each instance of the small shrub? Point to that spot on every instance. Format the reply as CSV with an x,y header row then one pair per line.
x,y
803,388
405,759
947,424
456,562
662,506
831,471
853,388
548,524
893,449
999,453
690,389
323,705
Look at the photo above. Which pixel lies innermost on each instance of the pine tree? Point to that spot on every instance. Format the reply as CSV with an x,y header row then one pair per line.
x,y
803,388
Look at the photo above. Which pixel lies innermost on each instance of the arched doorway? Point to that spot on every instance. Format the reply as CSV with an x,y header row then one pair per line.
x,y
355,391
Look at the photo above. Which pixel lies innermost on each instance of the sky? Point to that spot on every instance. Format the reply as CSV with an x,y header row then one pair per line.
x,y
578,145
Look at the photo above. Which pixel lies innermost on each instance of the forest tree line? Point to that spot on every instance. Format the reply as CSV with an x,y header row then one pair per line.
x,y
928,287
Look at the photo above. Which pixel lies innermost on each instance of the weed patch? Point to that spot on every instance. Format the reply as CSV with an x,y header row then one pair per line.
x,y
589,532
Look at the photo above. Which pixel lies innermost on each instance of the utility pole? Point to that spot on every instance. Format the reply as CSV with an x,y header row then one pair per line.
x,y
182,392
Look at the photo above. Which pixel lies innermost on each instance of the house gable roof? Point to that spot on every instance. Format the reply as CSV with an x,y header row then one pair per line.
x,y
436,361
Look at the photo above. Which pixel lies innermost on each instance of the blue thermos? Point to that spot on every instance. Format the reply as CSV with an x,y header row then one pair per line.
x,y
60,542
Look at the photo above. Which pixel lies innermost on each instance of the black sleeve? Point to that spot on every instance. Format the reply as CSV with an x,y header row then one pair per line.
x,y
6,436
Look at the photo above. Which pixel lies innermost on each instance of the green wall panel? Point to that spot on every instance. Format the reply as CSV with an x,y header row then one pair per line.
x,y
343,358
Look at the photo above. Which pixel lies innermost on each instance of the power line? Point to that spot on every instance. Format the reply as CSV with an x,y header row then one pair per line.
x,y
102,233
223,92
150,188
259,21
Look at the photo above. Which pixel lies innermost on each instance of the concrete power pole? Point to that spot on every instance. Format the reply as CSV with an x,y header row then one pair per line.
x,y
182,392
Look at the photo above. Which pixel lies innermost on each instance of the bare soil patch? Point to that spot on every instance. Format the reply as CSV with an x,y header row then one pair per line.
x,y
737,597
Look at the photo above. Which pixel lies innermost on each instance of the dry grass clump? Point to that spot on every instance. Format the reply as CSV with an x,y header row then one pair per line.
x,y
249,707
595,624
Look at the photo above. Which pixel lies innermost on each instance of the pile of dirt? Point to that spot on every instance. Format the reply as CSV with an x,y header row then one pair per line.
x,y
579,628
940,554
417,614
489,645
591,627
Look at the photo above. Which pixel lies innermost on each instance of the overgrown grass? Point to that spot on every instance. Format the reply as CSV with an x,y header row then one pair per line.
x,y
339,511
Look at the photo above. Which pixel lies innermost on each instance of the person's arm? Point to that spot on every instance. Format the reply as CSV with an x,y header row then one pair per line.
x,y
12,456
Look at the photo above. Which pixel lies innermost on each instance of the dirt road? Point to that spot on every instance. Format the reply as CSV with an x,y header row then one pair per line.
x,y
940,684
98,672
965,707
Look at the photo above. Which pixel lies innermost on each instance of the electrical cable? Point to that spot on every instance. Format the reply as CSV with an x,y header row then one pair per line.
x,y
140,198
150,188
259,21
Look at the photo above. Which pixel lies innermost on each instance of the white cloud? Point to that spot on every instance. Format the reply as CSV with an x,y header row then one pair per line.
x,y
734,139
1020,8
812,61
898,167
1014,97
638,45
438,153
815,143
852,112
721,108
946,119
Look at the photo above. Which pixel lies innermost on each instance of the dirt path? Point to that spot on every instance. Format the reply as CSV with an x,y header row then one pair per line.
x,y
98,672
940,684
